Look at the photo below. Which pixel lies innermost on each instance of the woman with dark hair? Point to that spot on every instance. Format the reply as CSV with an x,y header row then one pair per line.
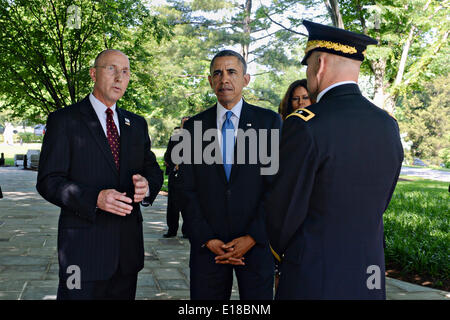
x,y
296,97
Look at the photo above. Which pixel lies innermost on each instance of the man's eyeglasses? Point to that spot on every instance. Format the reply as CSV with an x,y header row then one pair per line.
x,y
112,70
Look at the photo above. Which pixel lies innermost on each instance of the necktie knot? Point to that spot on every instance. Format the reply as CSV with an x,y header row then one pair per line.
x,y
109,112
229,114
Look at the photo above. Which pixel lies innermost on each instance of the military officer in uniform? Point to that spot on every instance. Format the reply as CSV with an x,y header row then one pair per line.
x,y
339,163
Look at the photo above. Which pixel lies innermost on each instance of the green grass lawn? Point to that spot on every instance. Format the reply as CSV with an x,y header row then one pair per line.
x,y
429,167
439,168
417,228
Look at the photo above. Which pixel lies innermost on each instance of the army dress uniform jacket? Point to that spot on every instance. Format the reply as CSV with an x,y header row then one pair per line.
x,y
339,163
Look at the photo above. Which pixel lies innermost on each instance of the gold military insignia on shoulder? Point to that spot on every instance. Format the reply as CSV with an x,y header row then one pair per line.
x,y
391,115
302,113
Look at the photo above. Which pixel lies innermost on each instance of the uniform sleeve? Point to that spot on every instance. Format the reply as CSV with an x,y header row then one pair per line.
x,y
287,202
399,166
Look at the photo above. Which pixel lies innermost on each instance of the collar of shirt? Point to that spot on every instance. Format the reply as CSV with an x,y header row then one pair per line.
x,y
221,117
320,95
100,109
221,114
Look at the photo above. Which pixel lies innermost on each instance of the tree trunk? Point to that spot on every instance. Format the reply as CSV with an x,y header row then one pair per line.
x,y
381,98
334,12
246,28
401,67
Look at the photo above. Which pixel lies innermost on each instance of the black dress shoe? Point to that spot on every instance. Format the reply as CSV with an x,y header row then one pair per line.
x,y
169,235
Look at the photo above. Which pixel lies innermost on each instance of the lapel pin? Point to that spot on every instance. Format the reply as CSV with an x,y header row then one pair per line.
x,y
249,124
127,122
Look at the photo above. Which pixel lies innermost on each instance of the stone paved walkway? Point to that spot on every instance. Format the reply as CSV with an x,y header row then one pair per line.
x,y
29,264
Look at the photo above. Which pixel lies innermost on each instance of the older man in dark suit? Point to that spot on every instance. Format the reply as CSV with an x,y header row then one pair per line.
x,y
339,163
96,164
224,216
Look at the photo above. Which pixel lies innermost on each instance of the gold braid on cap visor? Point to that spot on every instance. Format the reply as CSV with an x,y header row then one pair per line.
x,y
313,44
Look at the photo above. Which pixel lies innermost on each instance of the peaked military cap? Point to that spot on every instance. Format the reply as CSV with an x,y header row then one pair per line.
x,y
336,41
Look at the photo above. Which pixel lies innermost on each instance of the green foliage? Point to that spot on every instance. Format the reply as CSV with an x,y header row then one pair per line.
x,y
169,78
417,228
9,161
245,24
45,63
426,21
268,88
181,68
28,137
424,116
444,154
209,5
46,57
183,63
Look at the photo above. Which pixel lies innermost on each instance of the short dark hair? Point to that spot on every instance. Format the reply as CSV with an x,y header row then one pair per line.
x,y
229,53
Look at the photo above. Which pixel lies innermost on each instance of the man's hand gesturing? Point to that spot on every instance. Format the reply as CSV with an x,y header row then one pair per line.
x,y
114,202
140,187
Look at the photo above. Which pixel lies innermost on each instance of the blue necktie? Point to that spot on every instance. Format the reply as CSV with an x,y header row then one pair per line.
x,y
227,144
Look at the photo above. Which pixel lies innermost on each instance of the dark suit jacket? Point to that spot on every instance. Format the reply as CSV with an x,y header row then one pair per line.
x,y
337,174
167,155
217,209
75,164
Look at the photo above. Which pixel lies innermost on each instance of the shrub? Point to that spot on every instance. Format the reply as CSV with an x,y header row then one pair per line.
x,y
444,154
28,137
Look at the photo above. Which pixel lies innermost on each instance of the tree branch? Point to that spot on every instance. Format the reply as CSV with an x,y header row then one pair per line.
x,y
282,26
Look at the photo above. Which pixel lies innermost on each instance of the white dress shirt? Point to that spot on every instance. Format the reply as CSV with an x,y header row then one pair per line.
x,y
100,110
320,95
221,117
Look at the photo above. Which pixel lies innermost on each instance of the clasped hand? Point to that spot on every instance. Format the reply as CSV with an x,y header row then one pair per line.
x,y
118,203
232,252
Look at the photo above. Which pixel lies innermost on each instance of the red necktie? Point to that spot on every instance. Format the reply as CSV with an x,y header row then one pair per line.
x,y
113,136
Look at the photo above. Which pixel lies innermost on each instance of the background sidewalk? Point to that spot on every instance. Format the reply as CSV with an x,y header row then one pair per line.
x,y
29,262
426,173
